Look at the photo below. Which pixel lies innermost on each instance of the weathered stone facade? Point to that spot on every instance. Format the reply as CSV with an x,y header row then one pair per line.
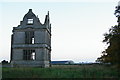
x,y
31,42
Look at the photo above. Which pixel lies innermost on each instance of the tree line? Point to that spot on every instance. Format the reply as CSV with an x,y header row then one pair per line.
x,y
112,39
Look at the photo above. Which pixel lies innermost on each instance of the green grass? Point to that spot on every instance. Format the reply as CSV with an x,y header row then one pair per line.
x,y
62,71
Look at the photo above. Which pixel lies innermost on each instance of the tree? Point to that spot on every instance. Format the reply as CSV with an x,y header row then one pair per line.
x,y
4,62
112,39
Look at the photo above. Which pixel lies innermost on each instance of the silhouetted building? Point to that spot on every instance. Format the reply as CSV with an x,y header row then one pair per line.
x,y
31,42
62,62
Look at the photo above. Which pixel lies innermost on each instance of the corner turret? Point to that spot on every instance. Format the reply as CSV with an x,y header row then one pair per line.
x,y
47,21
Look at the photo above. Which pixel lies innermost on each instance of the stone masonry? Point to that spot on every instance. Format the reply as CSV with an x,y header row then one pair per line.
x,y
31,42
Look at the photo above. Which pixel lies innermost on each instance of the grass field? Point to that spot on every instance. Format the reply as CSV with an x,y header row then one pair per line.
x,y
62,71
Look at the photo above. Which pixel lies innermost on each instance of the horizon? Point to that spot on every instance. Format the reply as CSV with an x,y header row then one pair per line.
x,y
77,27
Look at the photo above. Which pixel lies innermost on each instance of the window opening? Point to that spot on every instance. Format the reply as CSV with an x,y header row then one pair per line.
x,y
29,55
29,37
33,41
30,21
33,56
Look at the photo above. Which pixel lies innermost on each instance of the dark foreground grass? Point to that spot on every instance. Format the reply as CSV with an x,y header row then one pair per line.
x,y
65,71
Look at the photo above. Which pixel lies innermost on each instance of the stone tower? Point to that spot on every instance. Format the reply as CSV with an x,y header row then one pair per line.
x,y
31,42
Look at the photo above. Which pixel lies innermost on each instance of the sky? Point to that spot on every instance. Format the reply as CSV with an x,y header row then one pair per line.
x,y
77,26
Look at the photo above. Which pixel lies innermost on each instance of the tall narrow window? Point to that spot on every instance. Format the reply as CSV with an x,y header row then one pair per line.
x,y
33,56
30,21
33,41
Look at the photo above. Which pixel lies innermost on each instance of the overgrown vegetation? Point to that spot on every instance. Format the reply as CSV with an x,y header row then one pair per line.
x,y
62,71
112,39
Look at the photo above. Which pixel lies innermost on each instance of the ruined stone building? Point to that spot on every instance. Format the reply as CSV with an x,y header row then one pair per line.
x,y
31,42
